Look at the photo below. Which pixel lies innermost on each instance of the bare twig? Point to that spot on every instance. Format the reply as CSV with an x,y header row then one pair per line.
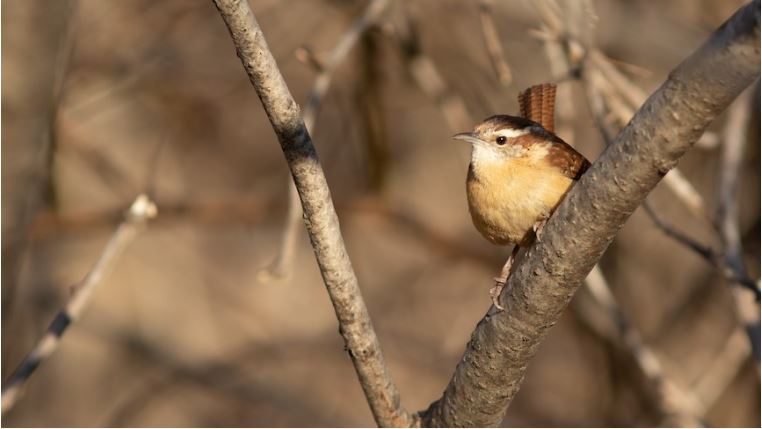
x,y
670,122
428,77
281,266
731,157
141,210
566,45
307,56
492,40
633,94
723,369
598,109
28,180
679,406
604,72
715,259
320,216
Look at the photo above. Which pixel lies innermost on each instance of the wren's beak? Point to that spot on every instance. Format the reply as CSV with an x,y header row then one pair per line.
x,y
468,137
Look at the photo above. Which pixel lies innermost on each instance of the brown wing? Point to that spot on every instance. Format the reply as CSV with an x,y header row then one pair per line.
x,y
572,163
538,103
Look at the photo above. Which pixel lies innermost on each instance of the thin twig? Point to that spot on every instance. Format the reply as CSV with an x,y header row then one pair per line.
x,y
281,267
492,40
307,56
428,77
674,402
731,158
141,210
576,235
598,109
714,258
320,216
32,172
633,97
723,369
680,406
567,53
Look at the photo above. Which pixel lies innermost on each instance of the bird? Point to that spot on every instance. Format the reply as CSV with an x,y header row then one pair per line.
x,y
520,171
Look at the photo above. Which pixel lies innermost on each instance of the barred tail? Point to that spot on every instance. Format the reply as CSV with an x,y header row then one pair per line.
x,y
538,103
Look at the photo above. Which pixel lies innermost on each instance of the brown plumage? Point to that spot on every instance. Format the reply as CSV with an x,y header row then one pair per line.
x,y
538,103
519,173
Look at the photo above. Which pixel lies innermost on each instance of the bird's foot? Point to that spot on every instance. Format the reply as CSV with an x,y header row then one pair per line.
x,y
495,291
538,227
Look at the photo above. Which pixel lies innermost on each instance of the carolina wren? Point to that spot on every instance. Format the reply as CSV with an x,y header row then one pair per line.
x,y
519,173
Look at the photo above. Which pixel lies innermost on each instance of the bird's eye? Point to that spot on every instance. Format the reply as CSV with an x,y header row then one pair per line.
x,y
501,140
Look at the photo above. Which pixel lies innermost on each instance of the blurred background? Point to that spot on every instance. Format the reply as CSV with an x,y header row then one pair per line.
x,y
104,100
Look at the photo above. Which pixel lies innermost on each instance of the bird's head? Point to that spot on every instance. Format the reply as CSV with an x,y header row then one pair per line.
x,y
502,137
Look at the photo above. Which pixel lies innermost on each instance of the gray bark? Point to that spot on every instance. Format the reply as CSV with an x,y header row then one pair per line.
x,y
666,126
319,213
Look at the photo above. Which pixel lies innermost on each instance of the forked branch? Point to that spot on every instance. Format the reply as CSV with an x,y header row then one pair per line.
x,y
575,237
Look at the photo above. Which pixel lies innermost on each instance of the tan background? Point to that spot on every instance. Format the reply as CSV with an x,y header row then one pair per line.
x,y
183,334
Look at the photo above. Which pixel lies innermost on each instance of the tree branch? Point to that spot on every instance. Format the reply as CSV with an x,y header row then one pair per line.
x,y
575,237
282,265
492,40
319,214
140,211
680,407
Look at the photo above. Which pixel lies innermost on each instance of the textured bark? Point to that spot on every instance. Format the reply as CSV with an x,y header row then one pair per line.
x,y
575,237
319,213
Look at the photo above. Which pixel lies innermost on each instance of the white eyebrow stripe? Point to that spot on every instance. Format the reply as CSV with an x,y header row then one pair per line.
x,y
512,132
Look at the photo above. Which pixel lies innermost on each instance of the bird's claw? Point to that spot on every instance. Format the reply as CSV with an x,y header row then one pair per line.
x,y
495,291
538,227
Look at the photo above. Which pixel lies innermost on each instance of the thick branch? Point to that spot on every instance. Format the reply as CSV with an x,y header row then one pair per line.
x,y
319,213
575,237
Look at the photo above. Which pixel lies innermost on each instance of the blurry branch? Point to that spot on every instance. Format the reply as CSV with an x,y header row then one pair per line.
x,y
281,267
681,407
319,214
615,86
141,210
577,57
731,157
307,56
567,44
706,252
666,126
224,377
492,40
610,92
28,179
368,94
723,369
731,273
731,170
613,97
240,210
427,76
